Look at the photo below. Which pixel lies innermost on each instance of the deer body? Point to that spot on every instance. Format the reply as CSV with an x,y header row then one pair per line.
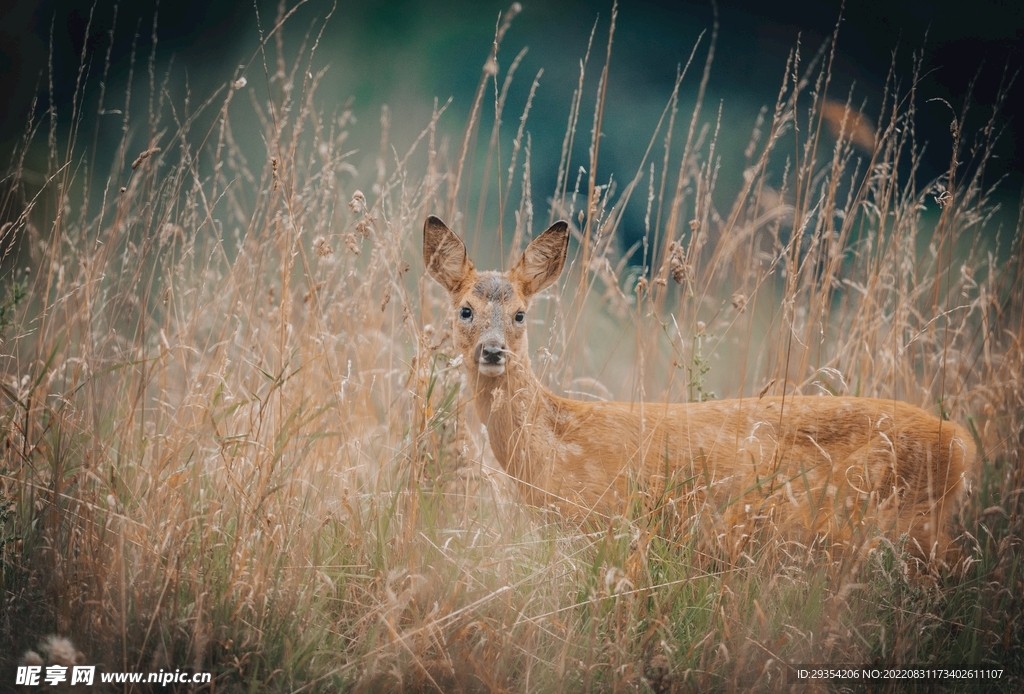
x,y
819,465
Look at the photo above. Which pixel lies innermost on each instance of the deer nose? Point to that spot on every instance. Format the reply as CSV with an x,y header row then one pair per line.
x,y
491,354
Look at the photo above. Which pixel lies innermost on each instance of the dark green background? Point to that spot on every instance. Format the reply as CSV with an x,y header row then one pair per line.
x,y
406,53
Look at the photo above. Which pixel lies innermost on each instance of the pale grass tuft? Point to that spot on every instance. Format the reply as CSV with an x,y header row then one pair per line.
x,y
351,243
60,651
322,247
677,266
739,301
497,399
358,203
31,658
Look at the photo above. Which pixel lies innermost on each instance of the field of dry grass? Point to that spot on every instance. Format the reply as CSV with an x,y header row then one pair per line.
x,y
234,439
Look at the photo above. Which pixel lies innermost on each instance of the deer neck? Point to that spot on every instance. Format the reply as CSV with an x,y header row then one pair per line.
x,y
519,414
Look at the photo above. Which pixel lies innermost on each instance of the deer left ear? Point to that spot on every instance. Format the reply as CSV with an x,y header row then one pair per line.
x,y
543,260
444,254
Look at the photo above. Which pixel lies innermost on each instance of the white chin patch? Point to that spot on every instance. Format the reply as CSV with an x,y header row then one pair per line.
x,y
490,369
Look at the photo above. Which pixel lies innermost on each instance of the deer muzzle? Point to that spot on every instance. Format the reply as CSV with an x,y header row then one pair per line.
x,y
490,357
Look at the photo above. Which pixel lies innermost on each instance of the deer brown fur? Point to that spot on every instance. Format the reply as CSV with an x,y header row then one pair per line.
x,y
818,465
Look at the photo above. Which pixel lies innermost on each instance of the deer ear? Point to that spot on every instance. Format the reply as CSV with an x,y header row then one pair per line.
x,y
543,260
444,254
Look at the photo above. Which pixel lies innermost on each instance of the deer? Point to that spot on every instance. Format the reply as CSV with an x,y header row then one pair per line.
x,y
821,466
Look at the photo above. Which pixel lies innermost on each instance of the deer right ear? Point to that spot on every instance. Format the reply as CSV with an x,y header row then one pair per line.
x,y
444,254
542,261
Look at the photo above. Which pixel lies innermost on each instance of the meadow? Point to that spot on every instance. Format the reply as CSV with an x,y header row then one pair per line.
x,y
236,438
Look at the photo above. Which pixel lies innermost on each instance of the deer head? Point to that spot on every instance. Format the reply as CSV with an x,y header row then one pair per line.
x,y
490,307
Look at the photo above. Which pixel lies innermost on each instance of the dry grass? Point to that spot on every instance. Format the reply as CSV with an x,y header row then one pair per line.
x,y
233,440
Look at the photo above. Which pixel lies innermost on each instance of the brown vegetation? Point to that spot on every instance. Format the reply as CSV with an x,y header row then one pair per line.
x,y
235,439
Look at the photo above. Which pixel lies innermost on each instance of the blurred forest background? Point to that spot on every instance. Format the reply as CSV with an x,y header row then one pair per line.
x,y
405,54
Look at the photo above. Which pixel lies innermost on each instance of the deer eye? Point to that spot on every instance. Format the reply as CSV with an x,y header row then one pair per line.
x,y
520,316
466,313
